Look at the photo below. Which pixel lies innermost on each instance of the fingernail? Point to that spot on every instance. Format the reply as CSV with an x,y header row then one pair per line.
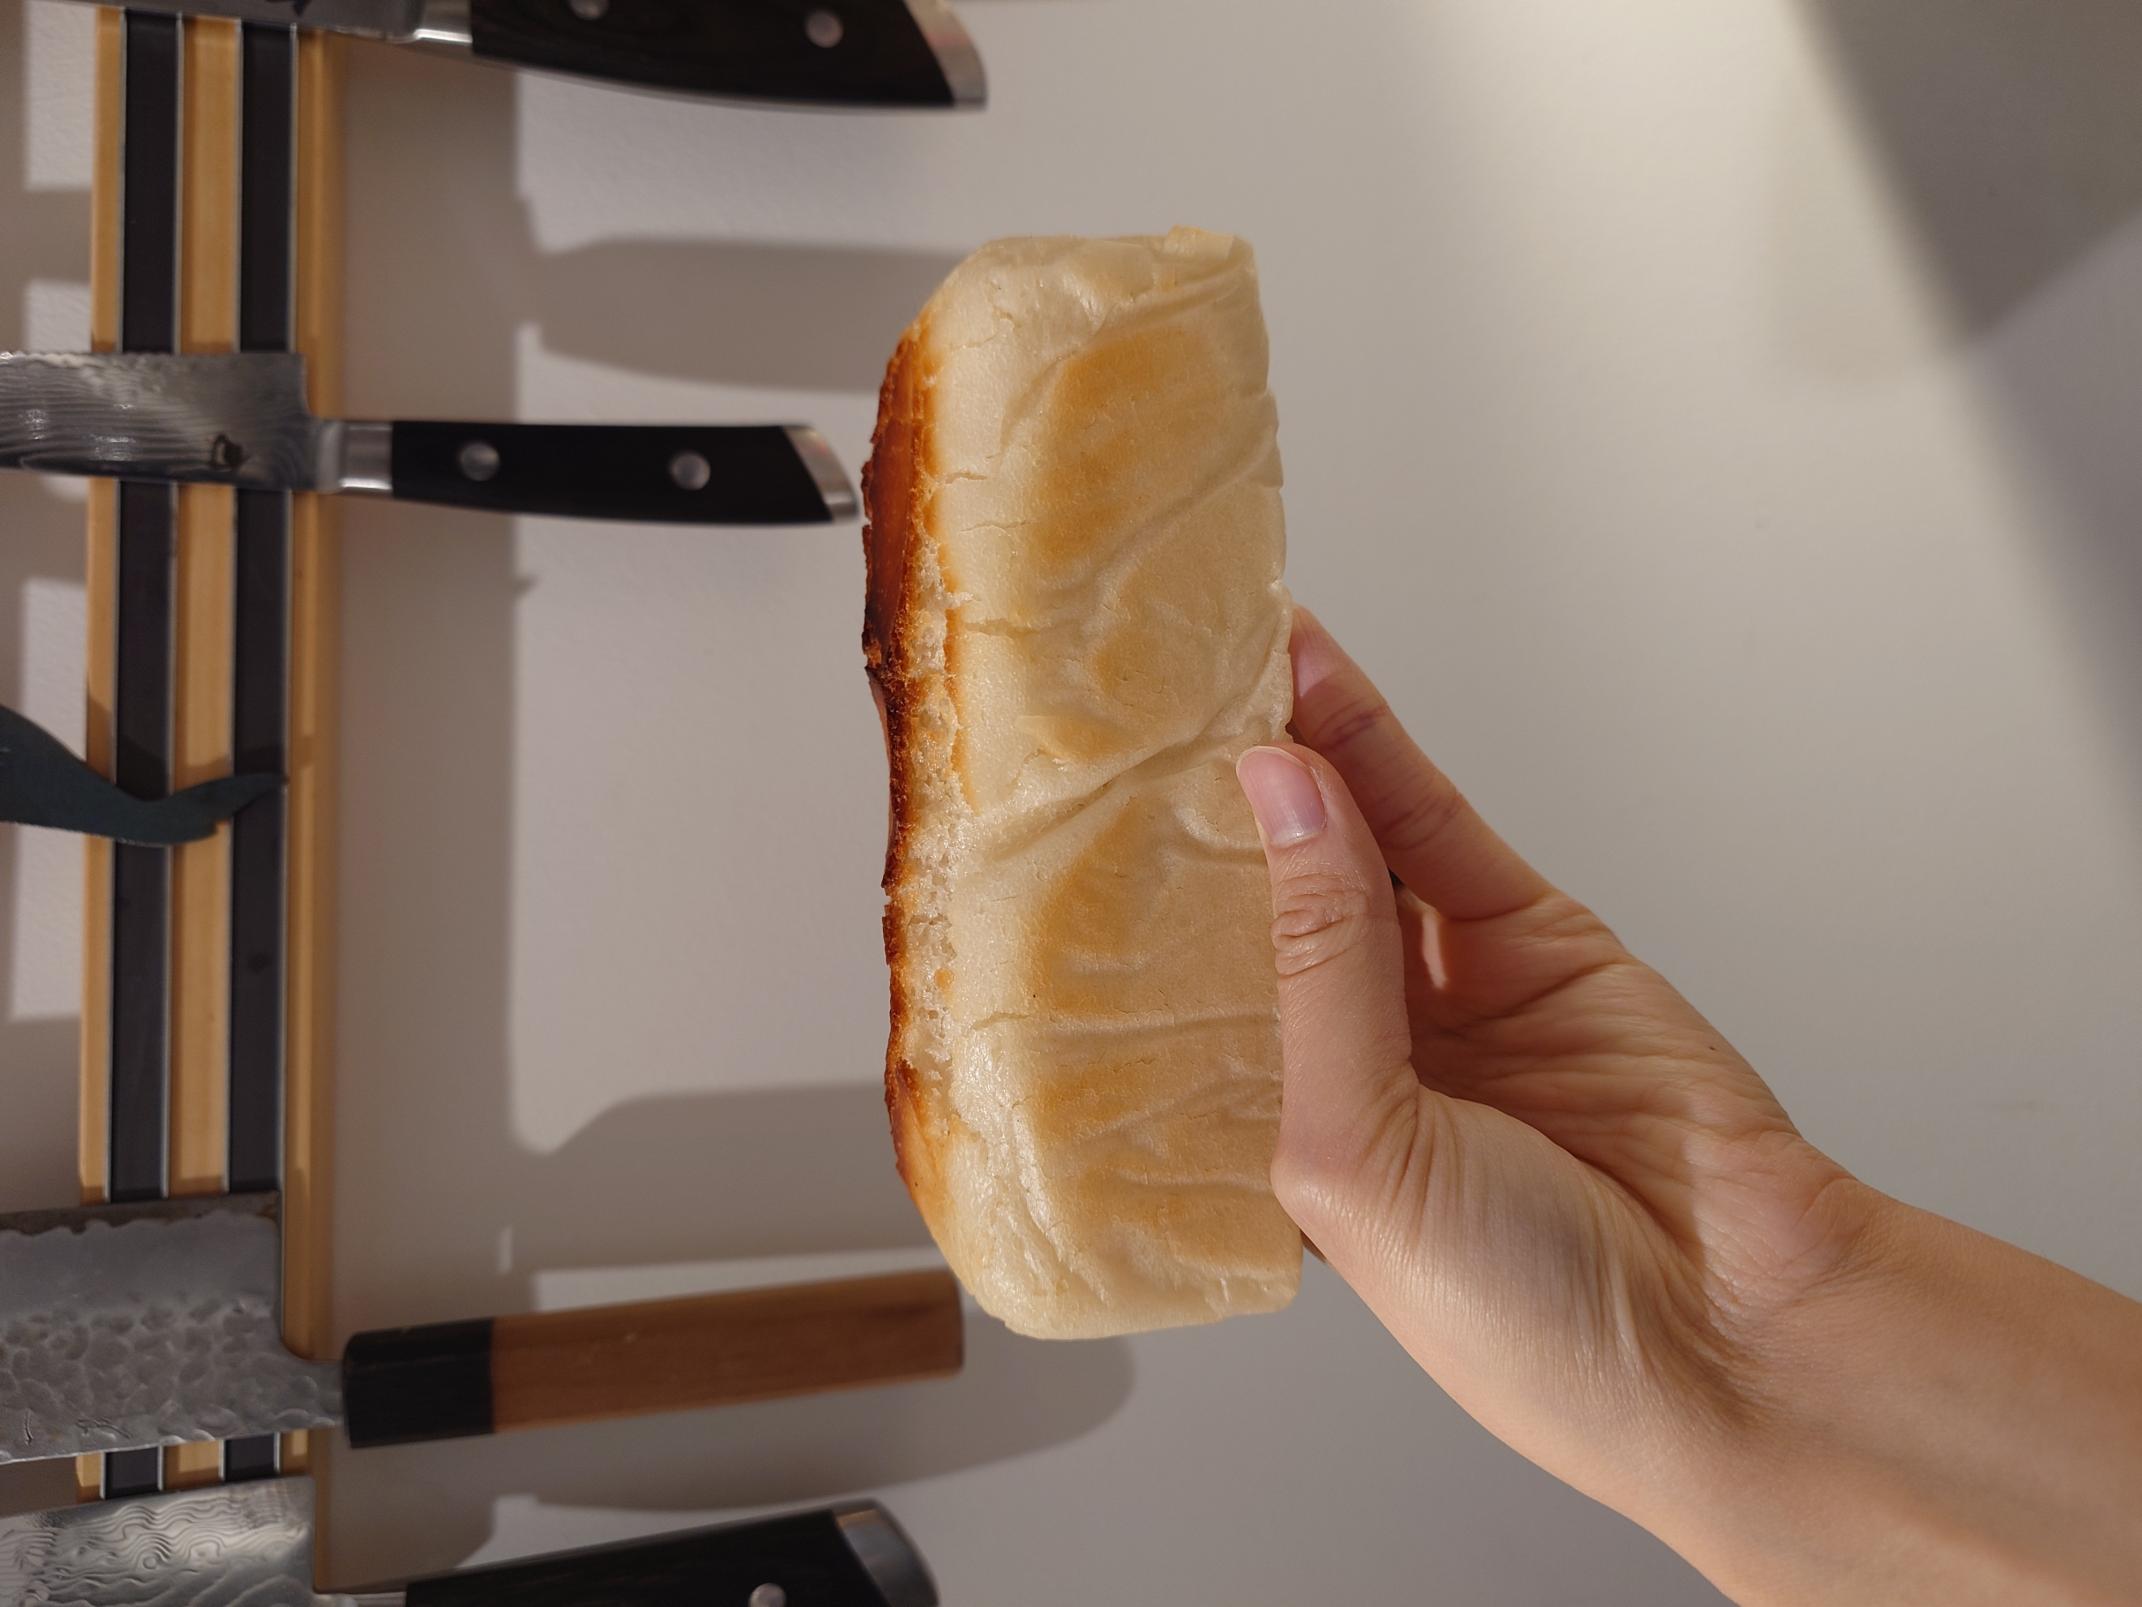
x,y
1283,795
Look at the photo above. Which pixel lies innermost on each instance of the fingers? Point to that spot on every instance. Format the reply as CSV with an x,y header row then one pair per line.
x,y
1343,1031
1429,834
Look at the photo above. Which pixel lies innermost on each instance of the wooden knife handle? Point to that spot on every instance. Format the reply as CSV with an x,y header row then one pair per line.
x,y
459,1379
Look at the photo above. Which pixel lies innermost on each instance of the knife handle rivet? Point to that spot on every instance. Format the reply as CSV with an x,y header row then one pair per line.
x,y
768,1596
691,471
479,461
591,10
824,29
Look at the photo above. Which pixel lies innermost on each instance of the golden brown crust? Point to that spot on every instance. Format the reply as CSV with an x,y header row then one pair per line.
x,y
892,523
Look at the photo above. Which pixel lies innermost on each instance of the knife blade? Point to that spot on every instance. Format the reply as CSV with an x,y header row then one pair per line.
x,y
251,1545
132,1326
805,52
242,420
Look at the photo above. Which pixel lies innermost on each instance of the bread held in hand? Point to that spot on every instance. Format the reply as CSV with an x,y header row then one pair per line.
x,y
1076,623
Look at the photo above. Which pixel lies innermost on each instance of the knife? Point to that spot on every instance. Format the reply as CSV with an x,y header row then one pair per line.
x,y
126,1327
250,1545
812,52
242,421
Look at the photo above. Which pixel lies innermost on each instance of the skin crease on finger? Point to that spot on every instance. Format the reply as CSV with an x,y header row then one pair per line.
x,y
1567,1196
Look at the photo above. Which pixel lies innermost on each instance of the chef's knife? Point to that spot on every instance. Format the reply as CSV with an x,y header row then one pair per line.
x,y
810,52
125,1327
243,421
250,1545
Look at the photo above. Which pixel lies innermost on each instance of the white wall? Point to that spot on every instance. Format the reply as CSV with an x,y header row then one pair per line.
x,y
1716,424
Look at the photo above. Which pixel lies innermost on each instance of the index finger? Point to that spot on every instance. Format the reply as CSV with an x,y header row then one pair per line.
x,y
1431,837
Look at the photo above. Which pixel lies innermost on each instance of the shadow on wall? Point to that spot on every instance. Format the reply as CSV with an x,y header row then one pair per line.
x,y
2010,132
2007,128
1014,1396
426,864
733,312
47,238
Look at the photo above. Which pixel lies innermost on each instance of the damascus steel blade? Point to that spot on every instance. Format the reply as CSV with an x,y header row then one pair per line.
x,y
125,1327
372,19
229,420
237,1545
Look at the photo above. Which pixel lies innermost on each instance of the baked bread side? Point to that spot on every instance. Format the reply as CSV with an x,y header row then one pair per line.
x,y
1076,623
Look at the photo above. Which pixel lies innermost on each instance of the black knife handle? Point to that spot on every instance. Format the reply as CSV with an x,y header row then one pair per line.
x,y
805,1560
404,1385
645,474
824,52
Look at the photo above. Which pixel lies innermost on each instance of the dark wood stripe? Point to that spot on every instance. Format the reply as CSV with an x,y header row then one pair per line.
x,y
266,200
261,620
260,706
251,1459
148,522
148,293
141,877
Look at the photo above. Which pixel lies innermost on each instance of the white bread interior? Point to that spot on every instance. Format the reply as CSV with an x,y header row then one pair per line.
x,y
1077,623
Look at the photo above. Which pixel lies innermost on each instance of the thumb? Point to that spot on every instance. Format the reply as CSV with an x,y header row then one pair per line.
x,y
1344,1041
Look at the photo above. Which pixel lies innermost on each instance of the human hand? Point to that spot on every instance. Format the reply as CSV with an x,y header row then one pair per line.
x,y
1566,1195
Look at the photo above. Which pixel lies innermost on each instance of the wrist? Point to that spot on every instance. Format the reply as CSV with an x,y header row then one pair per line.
x,y
1938,1417
1764,1492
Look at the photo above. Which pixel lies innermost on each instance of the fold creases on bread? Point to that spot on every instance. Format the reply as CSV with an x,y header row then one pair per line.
x,y
1076,623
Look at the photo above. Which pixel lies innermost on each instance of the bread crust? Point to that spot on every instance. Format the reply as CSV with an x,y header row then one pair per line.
x,y
892,521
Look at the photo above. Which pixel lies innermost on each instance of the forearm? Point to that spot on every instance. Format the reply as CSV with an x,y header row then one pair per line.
x,y
1952,1420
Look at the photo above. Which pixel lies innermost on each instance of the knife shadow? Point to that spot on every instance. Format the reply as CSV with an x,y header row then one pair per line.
x,y
2005,133
740,312
435,1504
806,318
443,1208
47,234
444,1212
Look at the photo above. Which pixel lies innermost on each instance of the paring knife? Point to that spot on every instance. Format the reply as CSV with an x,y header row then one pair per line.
x,y
250,1545
808,52
125,1327
243,421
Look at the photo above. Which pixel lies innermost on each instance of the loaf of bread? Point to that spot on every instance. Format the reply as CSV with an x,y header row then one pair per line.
x,y
1076,623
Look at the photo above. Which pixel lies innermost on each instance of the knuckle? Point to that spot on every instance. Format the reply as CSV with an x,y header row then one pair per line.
x,y
1358,715
1305,1190
1421,820
1319,917
1317,1189
1332,1172
1559,922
